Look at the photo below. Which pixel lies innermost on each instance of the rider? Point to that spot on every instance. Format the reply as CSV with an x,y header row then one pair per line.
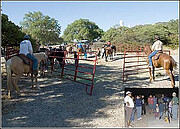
x,y
156,47
80,46
26,49
108,43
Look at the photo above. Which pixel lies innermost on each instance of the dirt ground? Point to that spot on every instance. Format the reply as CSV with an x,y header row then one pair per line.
x,y
63,103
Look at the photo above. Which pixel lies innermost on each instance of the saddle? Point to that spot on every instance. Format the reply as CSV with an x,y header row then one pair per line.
x,y
156,57
27,61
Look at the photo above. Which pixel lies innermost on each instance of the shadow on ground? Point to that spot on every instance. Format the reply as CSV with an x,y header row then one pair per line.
x,y
63,103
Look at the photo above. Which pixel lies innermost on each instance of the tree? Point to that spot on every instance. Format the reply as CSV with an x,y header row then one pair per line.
x,y
11,33
168,32
41,27
82,29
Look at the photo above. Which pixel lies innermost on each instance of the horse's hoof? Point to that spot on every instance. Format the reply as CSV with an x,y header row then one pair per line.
x,y
38,88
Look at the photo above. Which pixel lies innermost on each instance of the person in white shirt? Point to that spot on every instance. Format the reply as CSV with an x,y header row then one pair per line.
x,y
26,49
156,47
129,105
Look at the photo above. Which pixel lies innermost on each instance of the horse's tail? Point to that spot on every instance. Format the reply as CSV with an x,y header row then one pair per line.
x,y
9,75
175,64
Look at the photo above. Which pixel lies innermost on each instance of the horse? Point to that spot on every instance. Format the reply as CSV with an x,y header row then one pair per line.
x,y
15,65
114,49
43,65
69,49
80,51
58,53
164,60
109,51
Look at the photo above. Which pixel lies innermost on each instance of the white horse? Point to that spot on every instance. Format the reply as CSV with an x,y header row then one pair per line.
x,y
15,65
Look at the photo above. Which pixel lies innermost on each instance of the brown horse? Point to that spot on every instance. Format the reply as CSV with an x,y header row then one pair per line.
x,y
165,61
69,49
109,51
80,51
15,65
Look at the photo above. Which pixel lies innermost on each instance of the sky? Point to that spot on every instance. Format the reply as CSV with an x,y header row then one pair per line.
x,y
105,14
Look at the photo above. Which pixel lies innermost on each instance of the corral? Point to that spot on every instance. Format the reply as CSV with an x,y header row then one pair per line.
x,y
63,103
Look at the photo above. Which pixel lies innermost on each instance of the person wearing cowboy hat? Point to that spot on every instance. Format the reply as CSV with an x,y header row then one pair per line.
x,y
129,105
156,47
26,49
174,106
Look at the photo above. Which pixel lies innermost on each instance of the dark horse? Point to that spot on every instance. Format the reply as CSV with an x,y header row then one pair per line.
x,y
165,61
58,53
109,51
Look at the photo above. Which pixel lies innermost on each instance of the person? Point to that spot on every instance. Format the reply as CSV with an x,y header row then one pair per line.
x,y
103,51
75,57
98,52
138,107
80,46
156,47
174,106
129,105
26,49
170,107
108,43
161,105
156,114
143,105
155,102
133,112
150,103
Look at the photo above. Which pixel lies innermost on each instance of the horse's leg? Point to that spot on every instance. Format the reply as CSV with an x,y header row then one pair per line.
x,y
37,86
153,73
15,82
106,56
150,74
32,79
171,77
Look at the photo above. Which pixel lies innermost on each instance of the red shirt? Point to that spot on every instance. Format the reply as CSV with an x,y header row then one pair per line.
x,y
150,100
108,43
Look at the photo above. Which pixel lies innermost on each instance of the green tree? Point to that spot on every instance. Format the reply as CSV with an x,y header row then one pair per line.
x,y
11,33
82,29
42,27
168,32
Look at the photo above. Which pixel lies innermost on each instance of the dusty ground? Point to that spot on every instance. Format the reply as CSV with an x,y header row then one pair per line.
x,y
62,103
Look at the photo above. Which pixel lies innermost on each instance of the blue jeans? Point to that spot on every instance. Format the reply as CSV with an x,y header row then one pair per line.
x,y
161,114
35,61
139,112
85,55
133,114
174,111
150,57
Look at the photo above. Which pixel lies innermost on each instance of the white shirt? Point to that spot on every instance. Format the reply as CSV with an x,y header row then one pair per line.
x,y
130,100
102,50
157,45
25,47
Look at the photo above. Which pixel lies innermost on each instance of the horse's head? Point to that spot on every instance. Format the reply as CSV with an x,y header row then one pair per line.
x,y
41,57
147,49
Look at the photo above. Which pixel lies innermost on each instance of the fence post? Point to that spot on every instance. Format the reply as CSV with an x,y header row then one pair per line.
x,y
124,65
76,65
64,59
